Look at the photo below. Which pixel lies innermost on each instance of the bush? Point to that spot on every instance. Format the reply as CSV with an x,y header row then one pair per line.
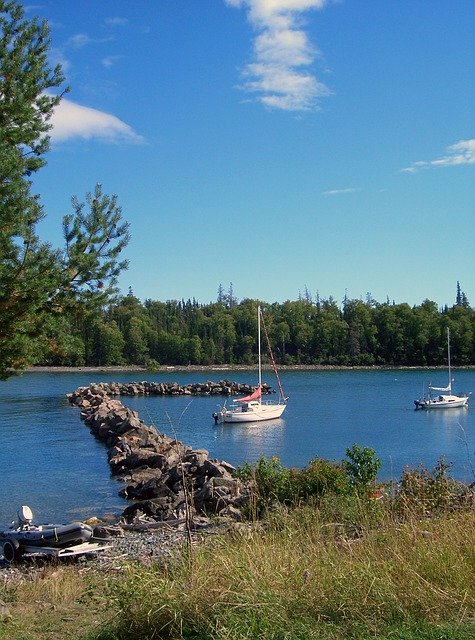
x,y
362,466
271,482
320,477
427,492
152,365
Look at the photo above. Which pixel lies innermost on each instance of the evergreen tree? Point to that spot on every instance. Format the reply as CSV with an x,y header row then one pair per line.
x,y
38,283
461,299
106,344
94,240
27,271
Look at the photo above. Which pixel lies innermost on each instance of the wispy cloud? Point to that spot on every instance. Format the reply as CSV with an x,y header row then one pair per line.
x,y
116,22
463,152
282,54
82,40
338,192
71,120
57,56
109,61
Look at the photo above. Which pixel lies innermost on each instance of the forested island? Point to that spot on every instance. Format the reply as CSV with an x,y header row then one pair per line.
x,y
305,331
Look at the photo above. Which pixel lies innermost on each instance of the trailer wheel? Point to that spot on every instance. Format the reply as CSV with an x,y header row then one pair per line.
x,y
11,550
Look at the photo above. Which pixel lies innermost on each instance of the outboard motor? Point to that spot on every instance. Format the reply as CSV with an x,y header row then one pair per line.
x,y
25,518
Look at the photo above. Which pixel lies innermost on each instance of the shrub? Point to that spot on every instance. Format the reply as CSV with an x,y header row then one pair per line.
x,y
426,492
271,482
320,477
362,466
152,365
269,479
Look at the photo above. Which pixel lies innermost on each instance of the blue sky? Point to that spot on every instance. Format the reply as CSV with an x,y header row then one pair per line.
x,y
278,145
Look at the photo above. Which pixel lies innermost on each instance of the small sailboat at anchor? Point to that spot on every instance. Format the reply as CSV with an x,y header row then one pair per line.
x,y
252,408
445,399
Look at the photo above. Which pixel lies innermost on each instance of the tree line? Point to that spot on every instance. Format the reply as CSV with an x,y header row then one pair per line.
x,y
59,306
301,332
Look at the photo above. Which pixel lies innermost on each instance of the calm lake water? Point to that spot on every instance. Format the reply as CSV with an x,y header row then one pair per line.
x,y
51,462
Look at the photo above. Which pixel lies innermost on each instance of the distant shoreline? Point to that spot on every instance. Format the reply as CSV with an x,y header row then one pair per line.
x,y
230,368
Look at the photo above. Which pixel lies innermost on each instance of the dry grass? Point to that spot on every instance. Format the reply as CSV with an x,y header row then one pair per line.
x,y
298,578
295,582
55,601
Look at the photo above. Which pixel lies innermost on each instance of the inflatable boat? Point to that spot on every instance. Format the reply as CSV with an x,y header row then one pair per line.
x,y
49,539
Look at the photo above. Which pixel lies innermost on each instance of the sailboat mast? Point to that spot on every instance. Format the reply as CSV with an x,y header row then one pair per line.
x,y
271,356
448,358
259,343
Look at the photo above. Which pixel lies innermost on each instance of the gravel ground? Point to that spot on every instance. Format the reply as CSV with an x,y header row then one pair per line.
x,y
145,547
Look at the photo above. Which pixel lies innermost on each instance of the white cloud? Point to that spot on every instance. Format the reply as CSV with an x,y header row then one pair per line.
x,y
82,39
462,152
58,57
109,61
116,22
79,40
71,120
281,50
337,192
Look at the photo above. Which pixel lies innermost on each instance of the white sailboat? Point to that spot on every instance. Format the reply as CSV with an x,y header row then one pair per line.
x,y
445,399
252,408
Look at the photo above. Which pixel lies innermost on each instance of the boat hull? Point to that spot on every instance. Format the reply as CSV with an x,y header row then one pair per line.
x,y
50,535
253,414
444,402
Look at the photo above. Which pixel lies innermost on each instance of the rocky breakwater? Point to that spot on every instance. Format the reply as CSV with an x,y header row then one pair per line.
x,y
168,481
221,388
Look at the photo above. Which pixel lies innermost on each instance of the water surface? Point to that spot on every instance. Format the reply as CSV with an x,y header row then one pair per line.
x,y
50,461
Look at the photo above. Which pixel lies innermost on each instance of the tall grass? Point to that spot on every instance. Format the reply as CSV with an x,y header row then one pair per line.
x,y
294,579
322,558
52,601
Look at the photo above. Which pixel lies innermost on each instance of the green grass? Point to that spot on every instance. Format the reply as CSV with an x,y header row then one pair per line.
x,y
415,580
351,569
55,602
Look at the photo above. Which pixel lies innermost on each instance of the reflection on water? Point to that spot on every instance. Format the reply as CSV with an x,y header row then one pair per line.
x,y
446,416
253,439
449,425
252,429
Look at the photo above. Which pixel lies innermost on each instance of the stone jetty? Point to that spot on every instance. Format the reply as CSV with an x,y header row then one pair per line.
x,y
221,388
168,481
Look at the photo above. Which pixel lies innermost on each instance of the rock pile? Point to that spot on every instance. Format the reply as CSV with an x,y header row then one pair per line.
x,y
168,480
221,388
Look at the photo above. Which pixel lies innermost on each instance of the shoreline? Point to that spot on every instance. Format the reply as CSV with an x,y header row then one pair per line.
x,y
232,367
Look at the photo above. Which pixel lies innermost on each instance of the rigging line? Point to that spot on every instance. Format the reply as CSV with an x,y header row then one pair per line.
x,y
271,355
